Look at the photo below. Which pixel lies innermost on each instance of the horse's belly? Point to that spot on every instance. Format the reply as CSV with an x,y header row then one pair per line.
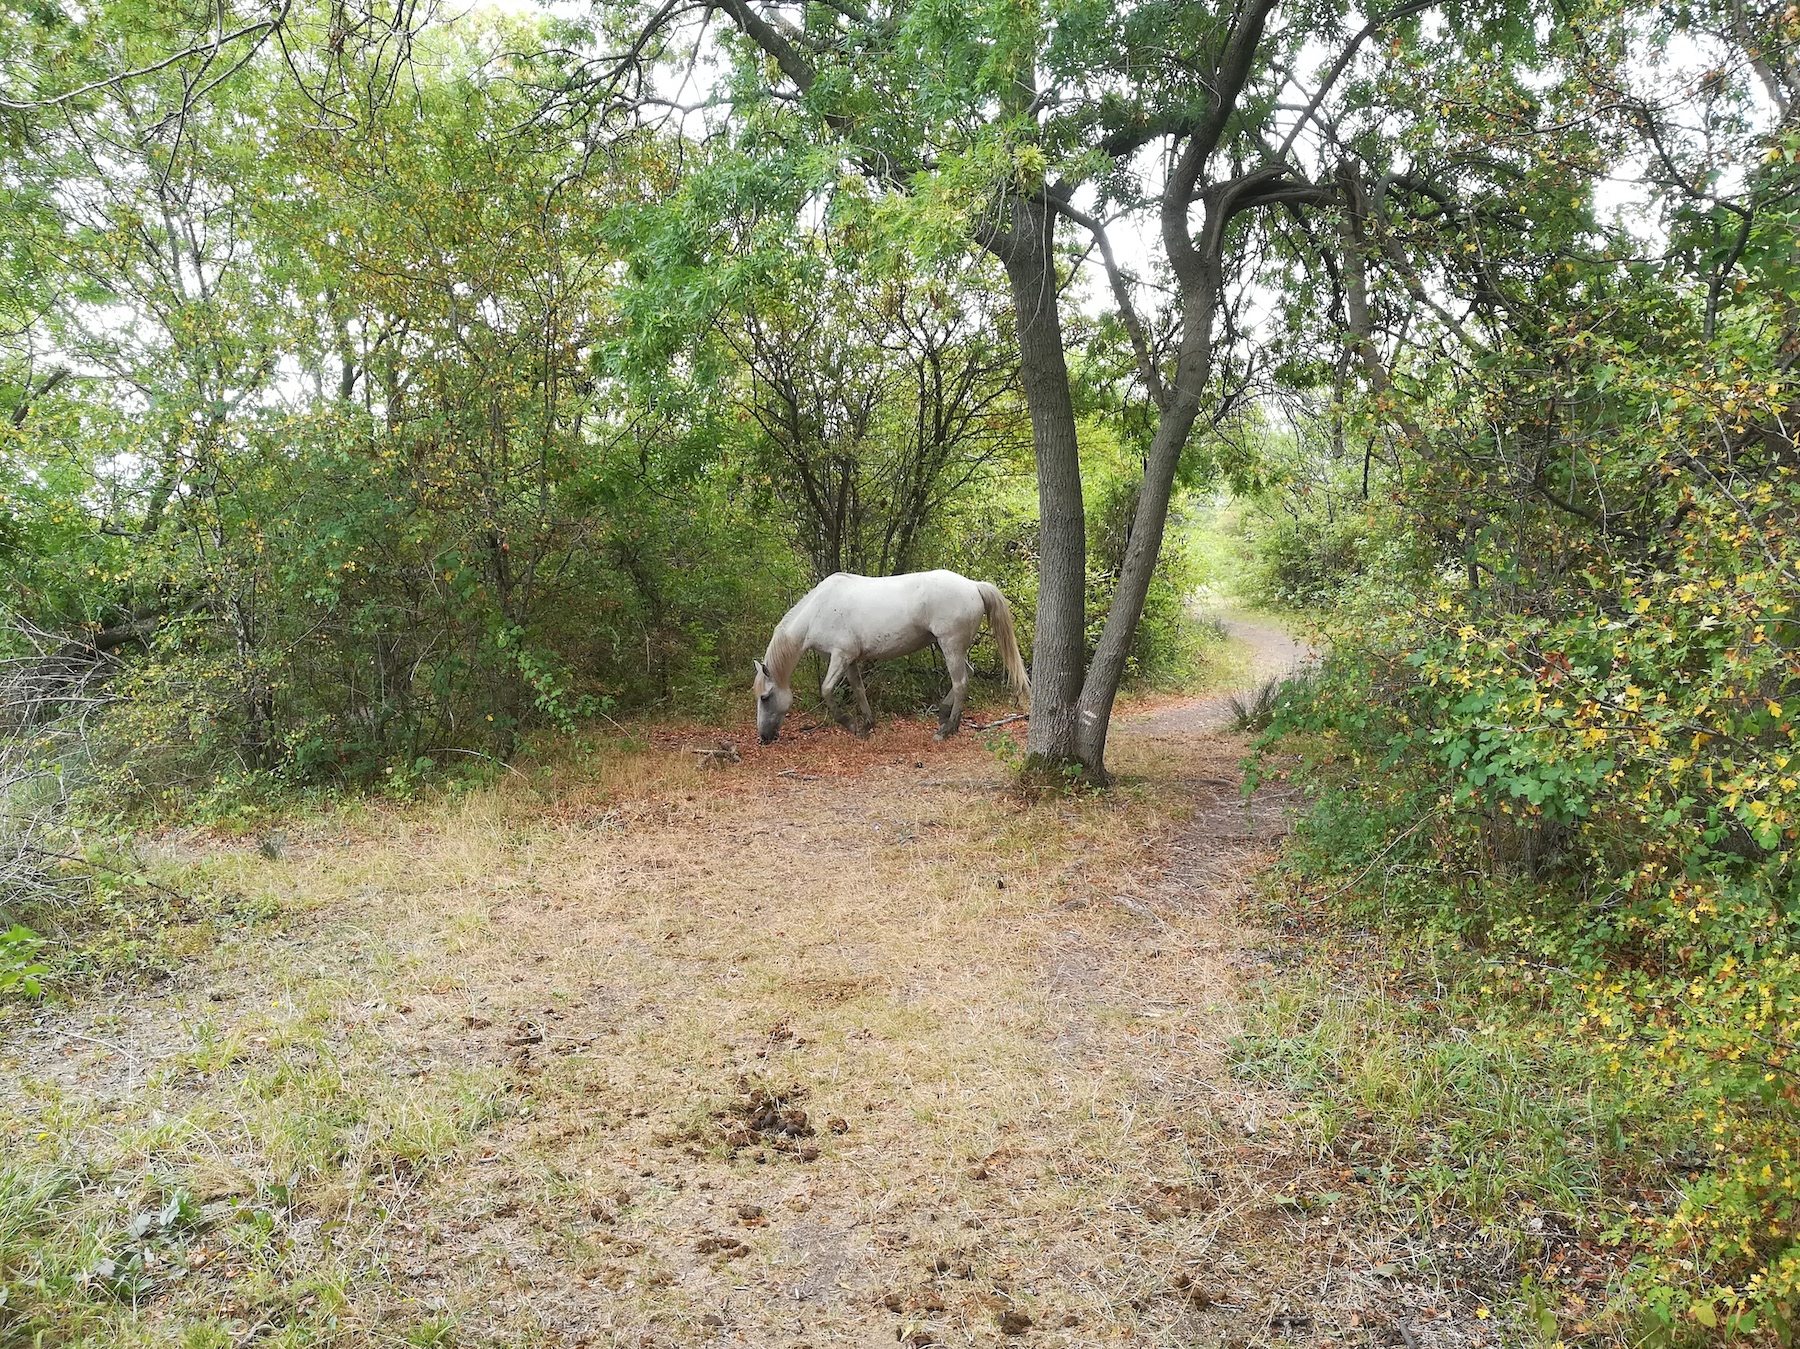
x,y
889,643
865,618
913,641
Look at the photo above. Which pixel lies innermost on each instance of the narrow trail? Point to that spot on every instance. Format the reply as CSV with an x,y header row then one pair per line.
x,y
836,1046
1272,653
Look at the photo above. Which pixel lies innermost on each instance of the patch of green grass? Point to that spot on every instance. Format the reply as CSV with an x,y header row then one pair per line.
x,y
1448,1111
1452,1116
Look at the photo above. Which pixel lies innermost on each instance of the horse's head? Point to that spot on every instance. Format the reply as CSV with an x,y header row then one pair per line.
x,y
772,703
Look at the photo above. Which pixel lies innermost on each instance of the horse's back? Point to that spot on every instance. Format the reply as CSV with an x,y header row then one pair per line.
x,y
877,616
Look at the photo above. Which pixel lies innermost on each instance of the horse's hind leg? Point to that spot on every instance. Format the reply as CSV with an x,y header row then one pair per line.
x,y
956,660
854,673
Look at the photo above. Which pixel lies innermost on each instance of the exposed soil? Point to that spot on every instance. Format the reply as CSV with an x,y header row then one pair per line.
x,y
835,1044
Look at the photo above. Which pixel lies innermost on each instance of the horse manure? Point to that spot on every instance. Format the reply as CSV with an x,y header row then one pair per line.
x,y
728,1246
771,1117
1196,1291
791,1121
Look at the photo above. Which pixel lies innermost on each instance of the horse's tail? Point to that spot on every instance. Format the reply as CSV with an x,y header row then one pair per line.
x,y
999,617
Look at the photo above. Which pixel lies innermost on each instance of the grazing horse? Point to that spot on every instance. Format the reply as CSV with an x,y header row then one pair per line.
x,y
858,618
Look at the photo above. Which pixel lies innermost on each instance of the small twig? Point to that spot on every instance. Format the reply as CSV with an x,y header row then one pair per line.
x,y
1138,908
989,725
475,753
133,875
104,1044
1392,844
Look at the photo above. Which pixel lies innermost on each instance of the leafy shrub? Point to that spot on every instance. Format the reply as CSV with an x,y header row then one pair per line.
x,y
20,972
1300,563
1582,773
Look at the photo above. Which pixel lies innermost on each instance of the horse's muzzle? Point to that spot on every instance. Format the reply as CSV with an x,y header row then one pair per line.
x,y
767,739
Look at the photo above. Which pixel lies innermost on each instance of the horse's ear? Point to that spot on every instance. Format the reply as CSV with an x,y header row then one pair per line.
x,y
762,671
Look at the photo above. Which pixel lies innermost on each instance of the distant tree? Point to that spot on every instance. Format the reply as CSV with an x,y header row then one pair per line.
x,y
874,402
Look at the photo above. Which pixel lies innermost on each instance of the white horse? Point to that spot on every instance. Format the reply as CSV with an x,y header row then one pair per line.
x,y
858,618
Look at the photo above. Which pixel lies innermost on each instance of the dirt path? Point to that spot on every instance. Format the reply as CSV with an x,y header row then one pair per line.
x,y
836,1046
1269,652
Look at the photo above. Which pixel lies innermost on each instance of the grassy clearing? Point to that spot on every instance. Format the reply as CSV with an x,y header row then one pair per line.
x,y
488,1043
839,1044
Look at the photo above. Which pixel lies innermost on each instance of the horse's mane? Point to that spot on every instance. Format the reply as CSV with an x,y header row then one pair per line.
x,y
785,649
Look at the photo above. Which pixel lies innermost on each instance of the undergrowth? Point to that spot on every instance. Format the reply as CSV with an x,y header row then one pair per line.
x,y
1471,1122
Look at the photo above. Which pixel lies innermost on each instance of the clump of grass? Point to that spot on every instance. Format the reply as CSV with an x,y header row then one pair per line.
x,y
1255,710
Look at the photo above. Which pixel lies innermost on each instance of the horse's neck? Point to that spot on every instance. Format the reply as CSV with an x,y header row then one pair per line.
x,y
785,649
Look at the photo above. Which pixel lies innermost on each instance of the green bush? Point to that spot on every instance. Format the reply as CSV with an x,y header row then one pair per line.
x,y
20,973
1301,563
1580,777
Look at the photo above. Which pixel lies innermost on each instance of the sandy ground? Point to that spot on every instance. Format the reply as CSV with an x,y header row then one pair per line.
x,y
836,1045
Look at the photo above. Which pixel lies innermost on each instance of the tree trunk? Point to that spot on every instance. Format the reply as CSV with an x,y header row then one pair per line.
x,y
1059,650
1175,422
1141,554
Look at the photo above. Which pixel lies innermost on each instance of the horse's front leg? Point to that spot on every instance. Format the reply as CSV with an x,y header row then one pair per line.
x,y
834,674
862,699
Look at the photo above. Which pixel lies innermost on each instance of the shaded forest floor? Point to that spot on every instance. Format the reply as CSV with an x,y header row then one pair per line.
x,y
839,1044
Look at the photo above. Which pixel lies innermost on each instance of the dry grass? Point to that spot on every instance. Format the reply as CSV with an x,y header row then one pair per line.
x,y
512,1069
